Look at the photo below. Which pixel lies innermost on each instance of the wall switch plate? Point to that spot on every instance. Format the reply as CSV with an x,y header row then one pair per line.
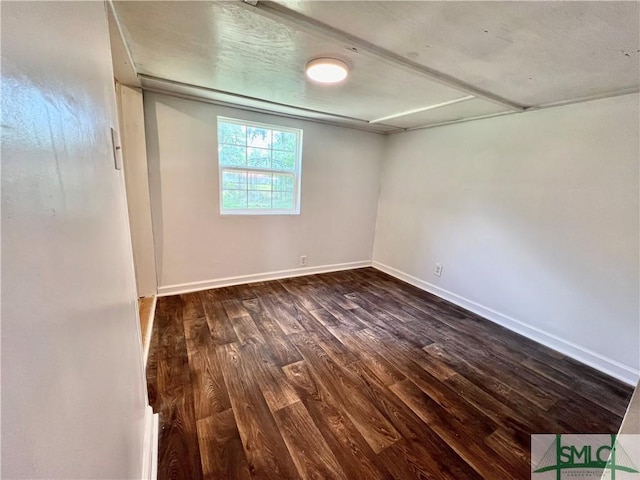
x,y
117,149
437,271
303,260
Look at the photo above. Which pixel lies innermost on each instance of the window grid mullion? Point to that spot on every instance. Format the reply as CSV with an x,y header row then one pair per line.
x,y
257,170
246,145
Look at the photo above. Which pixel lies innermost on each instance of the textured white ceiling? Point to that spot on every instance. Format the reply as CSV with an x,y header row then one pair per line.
x,y
532,53
403,55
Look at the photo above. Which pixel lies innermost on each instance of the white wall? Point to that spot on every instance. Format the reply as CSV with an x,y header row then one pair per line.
x,y
134,156
535,219
194,243
73,395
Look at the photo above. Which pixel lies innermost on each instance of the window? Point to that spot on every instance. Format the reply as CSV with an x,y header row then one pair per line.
x,y
259,168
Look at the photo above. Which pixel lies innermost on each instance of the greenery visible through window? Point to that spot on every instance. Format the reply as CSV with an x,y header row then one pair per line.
x,y
259,167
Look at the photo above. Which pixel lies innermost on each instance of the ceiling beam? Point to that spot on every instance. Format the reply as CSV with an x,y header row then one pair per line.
x,y
243,102
289,17
564,103
459,120
423,109
590,98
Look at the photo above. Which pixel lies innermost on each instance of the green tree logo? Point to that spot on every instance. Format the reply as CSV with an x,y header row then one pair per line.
x,y
598,456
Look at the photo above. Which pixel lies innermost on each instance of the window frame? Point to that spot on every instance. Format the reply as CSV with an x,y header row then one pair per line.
x,y
297,170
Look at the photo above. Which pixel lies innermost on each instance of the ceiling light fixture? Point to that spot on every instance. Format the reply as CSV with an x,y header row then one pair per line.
x,y
327,70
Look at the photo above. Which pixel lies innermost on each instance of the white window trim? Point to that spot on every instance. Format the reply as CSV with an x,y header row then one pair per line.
x,y
297,171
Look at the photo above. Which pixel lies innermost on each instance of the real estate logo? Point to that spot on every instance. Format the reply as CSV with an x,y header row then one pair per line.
x,y
585,456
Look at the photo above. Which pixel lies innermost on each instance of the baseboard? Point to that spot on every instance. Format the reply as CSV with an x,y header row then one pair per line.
x,y
150,448
147,334
259,277
600,362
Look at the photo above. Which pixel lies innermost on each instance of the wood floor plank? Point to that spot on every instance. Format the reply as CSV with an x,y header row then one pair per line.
x,y
196,329
381,368
311,454
449,430
356,375
178,451
301,293
266,452
280,346
282,314
313,327
566,402
539,359
352,451
419,441
408,460
375,315
209,390
324,317
493,386
385,302
373,426
219,325
197,335
507,446
234,308
521,426
612,398
221,450
247,331
169,322
482,363
344,316
399,353
340,353
277,392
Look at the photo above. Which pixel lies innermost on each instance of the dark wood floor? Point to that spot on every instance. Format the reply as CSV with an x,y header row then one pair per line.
x,y
356,375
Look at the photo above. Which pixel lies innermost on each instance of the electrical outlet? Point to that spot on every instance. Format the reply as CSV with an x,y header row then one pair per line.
x,y
303,260
437,271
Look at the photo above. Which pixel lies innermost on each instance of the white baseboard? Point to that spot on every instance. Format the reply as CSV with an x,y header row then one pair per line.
x,y
258,277
150,448
147,334
600,362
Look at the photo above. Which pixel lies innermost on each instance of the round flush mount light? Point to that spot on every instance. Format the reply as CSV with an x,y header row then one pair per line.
x,y
327,70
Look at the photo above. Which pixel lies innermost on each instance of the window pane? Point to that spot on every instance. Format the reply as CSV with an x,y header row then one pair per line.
x,y
259,157
283,200
284,141
258,167
232,156
232,133
283,182
283,160
258,137
234,199
259,199
260,181
234,180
